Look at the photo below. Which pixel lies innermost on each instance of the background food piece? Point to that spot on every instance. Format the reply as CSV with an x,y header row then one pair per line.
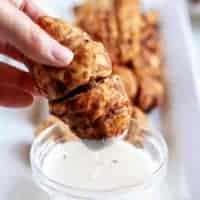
x,y
115,23
101,111
129,23
132,40
91,61
84,95
129,80
101,24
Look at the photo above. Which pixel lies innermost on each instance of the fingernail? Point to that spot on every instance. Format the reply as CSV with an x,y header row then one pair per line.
x,y
63,55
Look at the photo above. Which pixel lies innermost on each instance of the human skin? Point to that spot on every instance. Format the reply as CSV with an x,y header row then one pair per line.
x,y
19,34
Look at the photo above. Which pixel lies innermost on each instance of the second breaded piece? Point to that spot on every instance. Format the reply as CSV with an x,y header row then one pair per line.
x,y
91,60
100,111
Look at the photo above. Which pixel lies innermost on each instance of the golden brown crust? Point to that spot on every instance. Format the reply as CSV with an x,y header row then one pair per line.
x,y
129,80
115,23
150,53
100,112
84,95
91,60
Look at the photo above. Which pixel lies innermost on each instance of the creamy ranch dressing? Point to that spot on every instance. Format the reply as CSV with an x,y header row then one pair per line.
x,y
119,164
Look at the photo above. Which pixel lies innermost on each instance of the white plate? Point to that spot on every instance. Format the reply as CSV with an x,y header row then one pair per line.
x,y
175,120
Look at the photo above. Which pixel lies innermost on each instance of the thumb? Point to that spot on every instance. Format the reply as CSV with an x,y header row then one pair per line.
x,y
21,32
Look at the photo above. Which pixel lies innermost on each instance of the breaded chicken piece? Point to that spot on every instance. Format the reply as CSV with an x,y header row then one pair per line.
x,y
101,110
129,79
132,38
91,61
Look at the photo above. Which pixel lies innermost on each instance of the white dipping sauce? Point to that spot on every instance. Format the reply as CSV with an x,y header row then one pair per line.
x,y
114,166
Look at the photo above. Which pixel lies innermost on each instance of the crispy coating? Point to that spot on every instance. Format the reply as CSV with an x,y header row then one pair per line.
x,y
132,38
91,60
117,25
84,95
101,111
129,79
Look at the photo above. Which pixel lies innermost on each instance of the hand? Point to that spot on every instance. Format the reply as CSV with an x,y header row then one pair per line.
x,y
21,35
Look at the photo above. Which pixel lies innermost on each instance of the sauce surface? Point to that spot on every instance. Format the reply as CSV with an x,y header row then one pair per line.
x,y
86,166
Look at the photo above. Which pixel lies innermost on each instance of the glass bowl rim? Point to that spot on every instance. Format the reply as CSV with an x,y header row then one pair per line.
x,y
62,188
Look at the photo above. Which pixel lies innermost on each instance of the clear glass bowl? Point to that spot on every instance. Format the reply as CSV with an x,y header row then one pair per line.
x,y
148,189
